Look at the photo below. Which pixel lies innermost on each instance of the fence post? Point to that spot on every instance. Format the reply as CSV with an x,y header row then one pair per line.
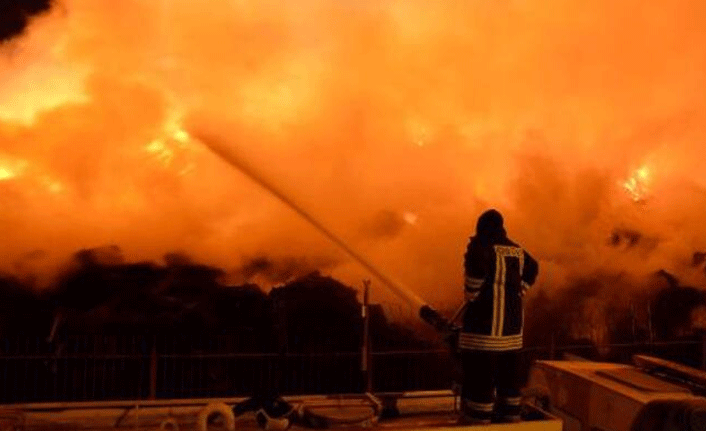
x,y
366,356
281,374
649,323
153,369
703,350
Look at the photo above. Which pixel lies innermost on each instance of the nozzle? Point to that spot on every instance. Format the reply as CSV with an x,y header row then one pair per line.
x,y
449,332
433,318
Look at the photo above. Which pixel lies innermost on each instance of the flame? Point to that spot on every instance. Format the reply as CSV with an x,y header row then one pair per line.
x,y
173,145
639,183
161,151
446,108
12,168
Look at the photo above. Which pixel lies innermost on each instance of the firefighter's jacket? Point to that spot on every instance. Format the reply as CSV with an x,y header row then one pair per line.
x,y
498,273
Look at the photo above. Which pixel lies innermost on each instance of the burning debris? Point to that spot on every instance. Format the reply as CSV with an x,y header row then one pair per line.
x,y
101,290
638,185
275,271
674,308
373,135
401,106
615,309
103,293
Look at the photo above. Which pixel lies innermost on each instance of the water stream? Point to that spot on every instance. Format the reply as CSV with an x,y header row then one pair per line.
x,y
229,153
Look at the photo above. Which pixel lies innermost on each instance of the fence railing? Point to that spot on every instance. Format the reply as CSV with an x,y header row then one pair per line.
x,y
100,367
96,368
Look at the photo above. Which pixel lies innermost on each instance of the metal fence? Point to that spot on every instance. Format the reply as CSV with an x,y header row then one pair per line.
x,y
100,367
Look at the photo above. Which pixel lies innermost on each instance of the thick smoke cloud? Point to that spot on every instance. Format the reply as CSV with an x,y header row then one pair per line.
x,y
16,15
395,122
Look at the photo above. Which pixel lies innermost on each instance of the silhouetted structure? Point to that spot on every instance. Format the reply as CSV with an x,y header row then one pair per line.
x,y
133,330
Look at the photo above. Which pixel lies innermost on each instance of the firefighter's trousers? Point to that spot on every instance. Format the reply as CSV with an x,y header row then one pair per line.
x,y
491,385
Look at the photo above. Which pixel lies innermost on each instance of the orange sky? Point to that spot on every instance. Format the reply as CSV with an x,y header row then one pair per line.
x,y
396,123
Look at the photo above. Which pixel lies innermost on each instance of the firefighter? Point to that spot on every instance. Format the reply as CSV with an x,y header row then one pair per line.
x,y
498,273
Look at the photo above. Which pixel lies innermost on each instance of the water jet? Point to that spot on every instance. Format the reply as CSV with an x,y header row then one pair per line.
x,y
222,147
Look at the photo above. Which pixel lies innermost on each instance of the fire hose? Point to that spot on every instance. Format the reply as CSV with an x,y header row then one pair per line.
x,y
274,413
213,410
221,147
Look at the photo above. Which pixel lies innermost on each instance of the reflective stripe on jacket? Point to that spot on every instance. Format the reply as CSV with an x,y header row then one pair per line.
x,y
497,274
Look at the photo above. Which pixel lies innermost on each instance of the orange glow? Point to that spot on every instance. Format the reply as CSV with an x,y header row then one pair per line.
x,y
172,147
419,133
41,87
161,151
410,217
11,168
52,185
638,185
277,98
425,112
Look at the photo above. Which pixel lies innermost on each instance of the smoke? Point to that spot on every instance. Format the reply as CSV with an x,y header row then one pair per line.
x,y
16,15
267,271
395,123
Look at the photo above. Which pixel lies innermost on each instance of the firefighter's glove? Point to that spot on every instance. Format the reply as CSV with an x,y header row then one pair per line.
x,y
450,338
435,319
